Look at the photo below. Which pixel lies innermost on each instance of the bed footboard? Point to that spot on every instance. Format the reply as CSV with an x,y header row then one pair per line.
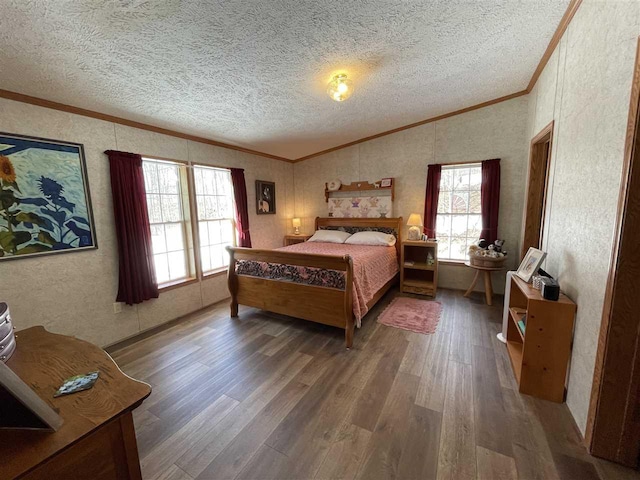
x,y
329,306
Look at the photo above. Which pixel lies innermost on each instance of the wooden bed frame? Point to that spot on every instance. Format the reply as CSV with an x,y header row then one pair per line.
x,y
328,306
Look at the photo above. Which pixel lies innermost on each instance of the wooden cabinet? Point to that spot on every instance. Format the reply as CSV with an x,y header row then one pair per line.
x,y
293,239
97,439
539,354
418,274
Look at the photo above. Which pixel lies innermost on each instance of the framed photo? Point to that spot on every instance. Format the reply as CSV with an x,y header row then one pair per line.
x,y
530,264
45,205
265,197
386,182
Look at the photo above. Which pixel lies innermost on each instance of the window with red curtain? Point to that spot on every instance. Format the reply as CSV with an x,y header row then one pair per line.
x,y
137,276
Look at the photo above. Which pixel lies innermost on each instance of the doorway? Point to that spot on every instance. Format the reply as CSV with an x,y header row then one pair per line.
x,y
539,163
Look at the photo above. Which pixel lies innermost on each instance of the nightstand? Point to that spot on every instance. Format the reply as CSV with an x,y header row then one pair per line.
x,y
416,275
293,239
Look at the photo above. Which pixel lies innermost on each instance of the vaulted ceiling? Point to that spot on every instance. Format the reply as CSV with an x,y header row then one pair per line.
x,y
254,73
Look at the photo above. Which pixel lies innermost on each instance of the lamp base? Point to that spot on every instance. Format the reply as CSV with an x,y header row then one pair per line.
x,y
296,230
415,233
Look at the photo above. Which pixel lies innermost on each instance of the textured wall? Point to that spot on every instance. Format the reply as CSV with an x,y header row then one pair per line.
x,y
585,89
73,293
498,131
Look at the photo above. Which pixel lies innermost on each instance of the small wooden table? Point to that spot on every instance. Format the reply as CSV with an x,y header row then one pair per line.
x,y
293,239
488,287
97,439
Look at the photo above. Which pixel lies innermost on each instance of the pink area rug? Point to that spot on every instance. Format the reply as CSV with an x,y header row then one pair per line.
x,y
420,316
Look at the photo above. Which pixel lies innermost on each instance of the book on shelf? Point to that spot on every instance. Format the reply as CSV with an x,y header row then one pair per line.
x,y
522,324
409,263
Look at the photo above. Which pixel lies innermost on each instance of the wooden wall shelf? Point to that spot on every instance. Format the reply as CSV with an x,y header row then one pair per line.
x,y
359,187
539,355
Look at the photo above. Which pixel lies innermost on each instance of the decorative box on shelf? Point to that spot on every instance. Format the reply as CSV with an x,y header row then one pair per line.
x,y
419,267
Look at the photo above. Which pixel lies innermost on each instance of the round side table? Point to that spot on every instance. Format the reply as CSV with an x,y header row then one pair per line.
x,y
488,288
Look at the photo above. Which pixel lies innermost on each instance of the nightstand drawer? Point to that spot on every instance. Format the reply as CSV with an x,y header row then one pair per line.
x,y
417,290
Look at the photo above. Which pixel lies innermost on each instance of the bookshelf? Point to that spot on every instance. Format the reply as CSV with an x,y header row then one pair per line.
x,y
540,354
416,275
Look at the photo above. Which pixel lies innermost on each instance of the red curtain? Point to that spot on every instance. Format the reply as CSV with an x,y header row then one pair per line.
x,y
242,207
490,199
136,269
431,200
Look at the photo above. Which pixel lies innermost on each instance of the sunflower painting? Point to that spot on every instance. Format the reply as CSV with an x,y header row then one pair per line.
x,y
44,198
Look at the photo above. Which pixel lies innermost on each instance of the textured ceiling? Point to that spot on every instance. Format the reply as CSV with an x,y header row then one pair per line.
x,y
254,73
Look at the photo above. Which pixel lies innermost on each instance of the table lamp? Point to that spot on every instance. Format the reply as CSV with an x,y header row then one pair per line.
x,y
415,224
296,226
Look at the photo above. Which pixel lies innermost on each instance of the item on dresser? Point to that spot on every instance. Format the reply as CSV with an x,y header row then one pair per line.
x,y
7,337
77,383
372,238
536,281
415,224
530,264
550,289
329,236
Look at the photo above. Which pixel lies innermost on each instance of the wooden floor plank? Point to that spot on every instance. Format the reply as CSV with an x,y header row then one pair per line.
x,y
375,392
267,464
492,426
421,445
457,455
345,454
383,455
431,390
495,466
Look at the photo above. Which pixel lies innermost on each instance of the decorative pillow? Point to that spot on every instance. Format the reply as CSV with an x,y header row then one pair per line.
x,y
372,238
329,236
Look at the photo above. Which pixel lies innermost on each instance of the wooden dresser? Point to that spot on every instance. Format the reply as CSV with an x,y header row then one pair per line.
x,y
417,276
97,440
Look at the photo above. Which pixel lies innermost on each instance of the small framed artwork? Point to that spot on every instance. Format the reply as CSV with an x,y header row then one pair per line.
x,y
45,205
265,197
386,182
530,264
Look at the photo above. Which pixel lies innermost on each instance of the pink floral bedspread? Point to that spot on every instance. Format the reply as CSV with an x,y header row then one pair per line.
x,y
373,266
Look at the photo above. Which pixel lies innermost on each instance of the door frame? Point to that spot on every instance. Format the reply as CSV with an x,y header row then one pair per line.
x,y
533,219
613,422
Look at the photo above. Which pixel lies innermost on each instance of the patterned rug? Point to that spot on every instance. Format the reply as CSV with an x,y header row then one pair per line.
x,y
420,316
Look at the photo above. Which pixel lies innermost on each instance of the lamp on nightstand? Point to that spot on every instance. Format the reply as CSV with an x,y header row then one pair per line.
x,y
415,224
296,226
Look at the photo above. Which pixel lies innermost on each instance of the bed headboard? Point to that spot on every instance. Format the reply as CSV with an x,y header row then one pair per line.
x,y
392,226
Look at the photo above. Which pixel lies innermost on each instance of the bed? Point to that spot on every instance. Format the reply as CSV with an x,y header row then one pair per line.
x,y
332,284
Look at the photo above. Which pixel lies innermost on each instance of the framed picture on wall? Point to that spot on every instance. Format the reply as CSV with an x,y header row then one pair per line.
x,y
45,205
265,197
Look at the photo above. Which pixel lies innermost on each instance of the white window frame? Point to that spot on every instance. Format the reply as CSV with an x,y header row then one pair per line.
x,y
218,218
448,236
184,222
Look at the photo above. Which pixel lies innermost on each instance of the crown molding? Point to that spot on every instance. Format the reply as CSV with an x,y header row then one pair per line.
x,y
41,102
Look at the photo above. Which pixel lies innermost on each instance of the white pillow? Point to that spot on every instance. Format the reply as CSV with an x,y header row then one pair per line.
x,y
329,236
372,238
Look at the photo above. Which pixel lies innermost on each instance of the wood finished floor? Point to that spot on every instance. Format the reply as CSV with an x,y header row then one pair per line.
x,y
270,397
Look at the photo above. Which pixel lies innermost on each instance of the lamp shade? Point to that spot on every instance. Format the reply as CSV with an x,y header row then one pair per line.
x,y
415,219
295,222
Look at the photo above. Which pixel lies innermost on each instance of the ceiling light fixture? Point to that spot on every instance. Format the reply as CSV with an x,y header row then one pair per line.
x,y
340,87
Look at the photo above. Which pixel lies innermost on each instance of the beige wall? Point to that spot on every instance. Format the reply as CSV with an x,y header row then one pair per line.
x,y
498,131
73,293
585,89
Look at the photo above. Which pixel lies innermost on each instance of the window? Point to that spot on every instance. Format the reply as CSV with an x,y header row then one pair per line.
x,y
214,197
165,183
459,220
